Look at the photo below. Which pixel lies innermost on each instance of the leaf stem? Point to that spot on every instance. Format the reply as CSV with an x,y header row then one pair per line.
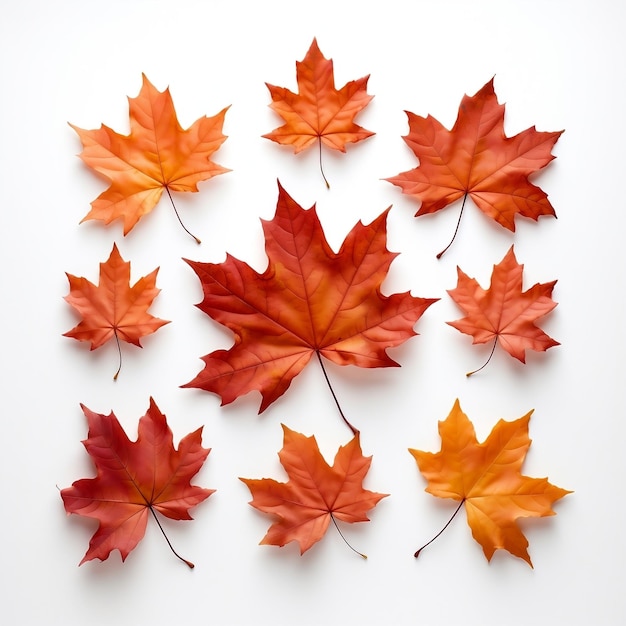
x,y
319,143
456,230
119,352
495,341
458,508
188,563
178,217
321,362
332,517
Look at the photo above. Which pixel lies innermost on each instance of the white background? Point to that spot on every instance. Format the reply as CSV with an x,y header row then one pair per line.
x,y
557,65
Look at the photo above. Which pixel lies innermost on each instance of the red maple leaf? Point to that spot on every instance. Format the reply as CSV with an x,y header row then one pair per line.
x,y
309,301
319,112
478,160
504,313
135,479
157,155
315,493
113,308
486,478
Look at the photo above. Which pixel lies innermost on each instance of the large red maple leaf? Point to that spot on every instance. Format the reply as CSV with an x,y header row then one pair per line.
x,y
135,479
504,313
157,155
478,160
308,301
315,493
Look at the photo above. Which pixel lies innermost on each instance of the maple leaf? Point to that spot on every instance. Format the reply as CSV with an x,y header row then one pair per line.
x,y
135,479
157,154
113,308
504,313
319,112
315,493
476,158
308,301
486,478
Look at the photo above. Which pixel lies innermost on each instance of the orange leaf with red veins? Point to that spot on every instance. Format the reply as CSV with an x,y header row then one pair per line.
x,y
135,479
486,478
309,301
113,308
158,154
504,313
478,160
319,112
315,493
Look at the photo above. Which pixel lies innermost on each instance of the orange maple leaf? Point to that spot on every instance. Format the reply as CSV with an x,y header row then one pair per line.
x,y
315,493
486,478
135,479
113,308
504,313
158,154
319,112
309,301
476,158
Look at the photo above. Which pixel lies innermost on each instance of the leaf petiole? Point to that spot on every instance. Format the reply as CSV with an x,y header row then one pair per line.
x,y
319,143
119,352
364,556
188,563
198,241
350,426
458,508
493,349
456,230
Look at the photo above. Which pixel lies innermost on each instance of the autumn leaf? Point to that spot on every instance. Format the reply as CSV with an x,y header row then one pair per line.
x,y
157,155
478,160
504,313
113,308
309,301
486,478
319,113
315,493
135,479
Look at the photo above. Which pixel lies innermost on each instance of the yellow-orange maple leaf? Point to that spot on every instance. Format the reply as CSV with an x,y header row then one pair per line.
x,y
113,308
487,479
315,494
319,112
157,154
